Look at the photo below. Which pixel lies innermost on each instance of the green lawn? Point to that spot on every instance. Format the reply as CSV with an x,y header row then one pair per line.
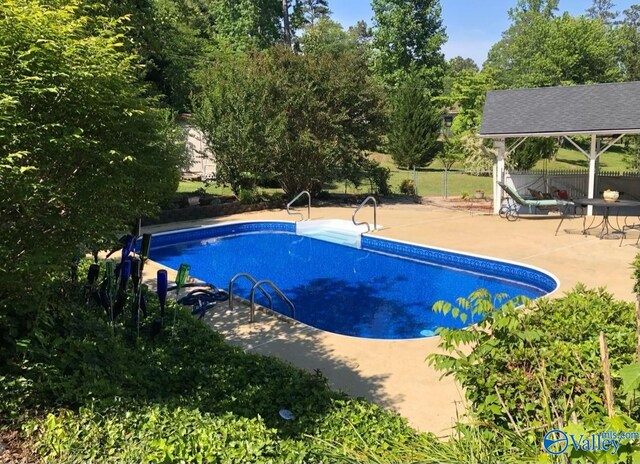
x,y
611,160
430,180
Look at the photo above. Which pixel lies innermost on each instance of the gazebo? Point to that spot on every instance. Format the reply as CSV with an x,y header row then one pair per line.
x,y
597,110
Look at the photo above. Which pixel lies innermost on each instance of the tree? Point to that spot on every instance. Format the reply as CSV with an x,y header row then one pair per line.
x,y
407,37
629,34
309,12
362,33
602,10
468,93
455,67
527,9
303,117
416,121
457,64
233,110
545,51
83,151
327,36
530,151
286,24
174,37
450,154
631,155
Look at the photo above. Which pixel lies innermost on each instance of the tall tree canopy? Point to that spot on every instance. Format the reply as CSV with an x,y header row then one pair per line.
x,y
309,12
527,9
408,36
174,37
629,34
544,51
327,36
602,10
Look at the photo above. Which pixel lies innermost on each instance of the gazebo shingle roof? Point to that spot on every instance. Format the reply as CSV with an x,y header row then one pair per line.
x,y
597,108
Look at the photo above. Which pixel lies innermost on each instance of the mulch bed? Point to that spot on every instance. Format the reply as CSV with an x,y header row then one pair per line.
x,y
13,449
484,205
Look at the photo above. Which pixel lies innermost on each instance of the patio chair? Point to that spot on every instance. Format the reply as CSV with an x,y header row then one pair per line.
x,y
514,201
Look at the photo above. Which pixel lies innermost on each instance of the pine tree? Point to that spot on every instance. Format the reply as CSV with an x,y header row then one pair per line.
x,y
603,10
416,121
313,10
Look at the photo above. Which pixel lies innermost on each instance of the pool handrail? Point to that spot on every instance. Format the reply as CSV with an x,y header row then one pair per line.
x,y
258,285
308,206
253,281
375,208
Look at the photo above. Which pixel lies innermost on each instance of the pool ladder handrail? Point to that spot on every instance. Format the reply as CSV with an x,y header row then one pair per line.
x,y
375,208
258,285
308,206
253,281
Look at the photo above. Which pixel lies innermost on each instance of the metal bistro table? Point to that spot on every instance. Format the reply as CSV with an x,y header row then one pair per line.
x,y
607,226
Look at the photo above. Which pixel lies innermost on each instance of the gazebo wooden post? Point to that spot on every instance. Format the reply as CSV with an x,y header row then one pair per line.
x,y
593,157
498,173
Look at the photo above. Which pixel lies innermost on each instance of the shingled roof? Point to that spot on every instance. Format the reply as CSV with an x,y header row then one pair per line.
x,y
553,111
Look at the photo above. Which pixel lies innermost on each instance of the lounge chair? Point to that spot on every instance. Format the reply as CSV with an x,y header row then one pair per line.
x,y
510,210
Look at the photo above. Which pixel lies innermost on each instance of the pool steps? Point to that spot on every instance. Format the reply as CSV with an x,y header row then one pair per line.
x,y
332,230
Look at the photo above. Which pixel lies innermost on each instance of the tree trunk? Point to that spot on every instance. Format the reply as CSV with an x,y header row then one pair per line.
x,y
285,20
415,181
606,371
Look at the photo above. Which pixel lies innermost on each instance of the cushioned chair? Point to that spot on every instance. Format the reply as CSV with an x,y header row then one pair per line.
x,y
514,201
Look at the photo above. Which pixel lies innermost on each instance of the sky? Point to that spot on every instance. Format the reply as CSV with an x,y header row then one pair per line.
x,y
473,26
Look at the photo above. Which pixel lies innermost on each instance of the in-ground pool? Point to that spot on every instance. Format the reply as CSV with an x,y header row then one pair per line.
x,y
384,289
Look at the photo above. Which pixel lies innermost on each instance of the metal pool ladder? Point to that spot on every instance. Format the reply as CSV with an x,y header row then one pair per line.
x,y
257,285
375,208
308,206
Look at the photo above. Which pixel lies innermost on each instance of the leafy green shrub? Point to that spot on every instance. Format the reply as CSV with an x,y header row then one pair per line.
x,y
407,187
539,363
258,118
157,433
85,149
86,390
379,177
247,197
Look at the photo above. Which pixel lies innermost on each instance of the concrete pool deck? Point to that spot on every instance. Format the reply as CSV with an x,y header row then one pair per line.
x,y
393,373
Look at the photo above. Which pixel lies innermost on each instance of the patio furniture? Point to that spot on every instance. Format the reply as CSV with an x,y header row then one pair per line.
x,y
607,227
514,201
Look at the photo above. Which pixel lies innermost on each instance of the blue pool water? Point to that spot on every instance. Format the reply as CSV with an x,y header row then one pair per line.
x,y
384,290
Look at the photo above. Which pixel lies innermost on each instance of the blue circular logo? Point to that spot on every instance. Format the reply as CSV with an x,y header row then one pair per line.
x,y
555,442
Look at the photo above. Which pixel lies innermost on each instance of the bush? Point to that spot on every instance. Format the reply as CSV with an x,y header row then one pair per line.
x,y
542,362
84,150
248,197
257,118
379,177
407,187
86,390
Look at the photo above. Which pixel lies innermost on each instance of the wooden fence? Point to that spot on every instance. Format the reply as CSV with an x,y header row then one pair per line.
x,y
575,182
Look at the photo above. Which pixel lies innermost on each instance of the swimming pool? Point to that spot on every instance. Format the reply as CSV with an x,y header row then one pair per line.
x,y
380,289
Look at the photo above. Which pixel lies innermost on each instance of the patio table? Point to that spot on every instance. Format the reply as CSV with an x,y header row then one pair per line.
x,y
605,223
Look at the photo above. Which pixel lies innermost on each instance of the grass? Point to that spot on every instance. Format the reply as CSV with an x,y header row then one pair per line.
x,y
430,180
611,160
